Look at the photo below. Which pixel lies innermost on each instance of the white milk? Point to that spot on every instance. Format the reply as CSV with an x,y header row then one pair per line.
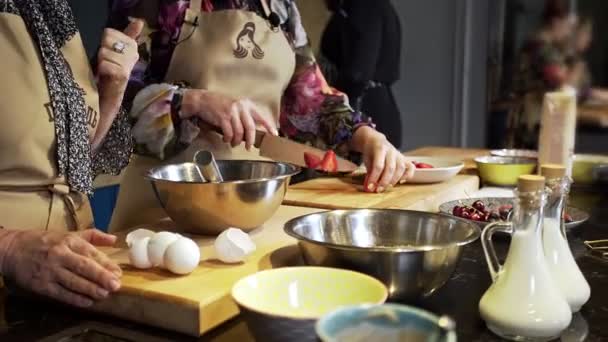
x,y
562,266
524,301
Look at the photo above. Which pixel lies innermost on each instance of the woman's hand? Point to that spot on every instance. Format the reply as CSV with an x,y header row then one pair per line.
x,y
116,59
63,266
386,166
238,119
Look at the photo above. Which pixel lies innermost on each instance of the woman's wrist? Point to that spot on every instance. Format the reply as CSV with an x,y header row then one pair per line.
x,y
191,100
364,136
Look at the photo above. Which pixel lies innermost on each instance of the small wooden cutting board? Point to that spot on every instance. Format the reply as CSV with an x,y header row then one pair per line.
x,y
200,301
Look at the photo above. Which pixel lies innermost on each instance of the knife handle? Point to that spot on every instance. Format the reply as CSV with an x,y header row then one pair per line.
x,y
259,135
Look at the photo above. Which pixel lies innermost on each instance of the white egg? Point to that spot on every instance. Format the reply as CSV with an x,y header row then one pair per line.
x,y
138,234
182,256
158,245
138,253
233,245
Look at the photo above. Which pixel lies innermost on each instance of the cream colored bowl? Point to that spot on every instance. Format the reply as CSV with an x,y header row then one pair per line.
x,y
283,304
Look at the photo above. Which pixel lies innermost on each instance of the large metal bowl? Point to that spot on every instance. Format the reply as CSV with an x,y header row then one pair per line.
x,y
251,193
413,253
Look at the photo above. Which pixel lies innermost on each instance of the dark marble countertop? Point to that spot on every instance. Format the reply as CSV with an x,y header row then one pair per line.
x,y
24,319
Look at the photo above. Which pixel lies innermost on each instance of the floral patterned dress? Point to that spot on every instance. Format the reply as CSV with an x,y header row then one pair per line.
x,y
312,112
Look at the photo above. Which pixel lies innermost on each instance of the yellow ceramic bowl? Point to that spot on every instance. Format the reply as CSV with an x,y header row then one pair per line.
x,y
503,171
283,304
582,168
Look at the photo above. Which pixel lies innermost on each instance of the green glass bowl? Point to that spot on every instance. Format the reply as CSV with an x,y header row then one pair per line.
x,y
583,166
503,171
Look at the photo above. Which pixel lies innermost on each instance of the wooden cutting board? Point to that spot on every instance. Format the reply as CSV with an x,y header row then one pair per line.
x,y
467,155
196,303
345,193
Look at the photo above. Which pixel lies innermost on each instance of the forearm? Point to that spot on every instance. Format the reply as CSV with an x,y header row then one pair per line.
x,y
109,106
599,94
7,237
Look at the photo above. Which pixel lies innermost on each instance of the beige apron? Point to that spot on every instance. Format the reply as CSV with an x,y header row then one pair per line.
x,y
32,196
233,52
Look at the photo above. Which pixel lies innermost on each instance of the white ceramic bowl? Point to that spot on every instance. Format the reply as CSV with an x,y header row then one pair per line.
x,y
444,169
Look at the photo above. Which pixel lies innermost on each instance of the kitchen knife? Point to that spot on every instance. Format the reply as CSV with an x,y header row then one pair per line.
x,y
288,151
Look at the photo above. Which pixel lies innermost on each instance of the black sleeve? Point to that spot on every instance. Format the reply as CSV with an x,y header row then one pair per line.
x,y
118,20
361,44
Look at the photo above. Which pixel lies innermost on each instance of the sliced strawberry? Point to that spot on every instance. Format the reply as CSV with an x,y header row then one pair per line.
x,y
423,166
329,162
311,160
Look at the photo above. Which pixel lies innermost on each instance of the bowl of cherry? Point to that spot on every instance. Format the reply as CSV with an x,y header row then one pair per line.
x,y
487,210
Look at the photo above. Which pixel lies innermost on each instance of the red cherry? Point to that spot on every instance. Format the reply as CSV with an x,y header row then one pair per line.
x,y
479,206
465,215
475,217
457,210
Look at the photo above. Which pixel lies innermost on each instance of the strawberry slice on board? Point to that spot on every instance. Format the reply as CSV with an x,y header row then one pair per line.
x,y
329,162
312,160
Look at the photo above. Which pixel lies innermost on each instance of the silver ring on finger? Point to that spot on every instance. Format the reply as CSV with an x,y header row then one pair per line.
x,y
119,47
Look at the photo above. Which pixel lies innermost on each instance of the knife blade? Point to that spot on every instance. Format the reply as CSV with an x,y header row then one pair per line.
x,y
288,151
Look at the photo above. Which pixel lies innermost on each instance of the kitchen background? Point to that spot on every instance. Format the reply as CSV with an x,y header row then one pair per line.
x,y
449,63
453,56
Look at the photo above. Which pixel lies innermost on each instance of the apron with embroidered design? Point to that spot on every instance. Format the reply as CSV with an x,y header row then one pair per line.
x,y
233,52
32,195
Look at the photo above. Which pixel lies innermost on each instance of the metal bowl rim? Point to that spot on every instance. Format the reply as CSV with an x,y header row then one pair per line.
x,y
288,228
295,170
524,153
496,160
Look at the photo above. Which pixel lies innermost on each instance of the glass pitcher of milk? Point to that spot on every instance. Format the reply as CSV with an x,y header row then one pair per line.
x,y
523,303
562,266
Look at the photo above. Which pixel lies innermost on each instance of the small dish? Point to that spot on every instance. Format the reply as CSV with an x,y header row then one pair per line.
x,y
578,216
443,170
504,171
283,304
515,153
387,323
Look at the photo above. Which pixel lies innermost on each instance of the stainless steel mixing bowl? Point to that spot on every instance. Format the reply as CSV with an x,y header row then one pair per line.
x,y
413,253
250,194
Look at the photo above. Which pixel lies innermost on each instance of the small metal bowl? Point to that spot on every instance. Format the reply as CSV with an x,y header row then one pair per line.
x,y
250,194
515,153
413,253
